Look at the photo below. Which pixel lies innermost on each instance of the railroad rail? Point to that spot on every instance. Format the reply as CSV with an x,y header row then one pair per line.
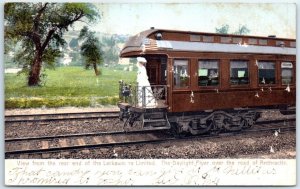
x,y
69,142
33,145
60,116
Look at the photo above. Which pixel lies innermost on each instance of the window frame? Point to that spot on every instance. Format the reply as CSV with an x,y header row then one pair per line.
x,y
219,74
249,75
260,42
253,41
275,73
175,88
293,74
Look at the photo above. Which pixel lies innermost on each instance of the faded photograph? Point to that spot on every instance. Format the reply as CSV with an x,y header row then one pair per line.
x,y
155,81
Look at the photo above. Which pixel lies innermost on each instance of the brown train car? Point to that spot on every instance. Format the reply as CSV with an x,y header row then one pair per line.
x,y
212,81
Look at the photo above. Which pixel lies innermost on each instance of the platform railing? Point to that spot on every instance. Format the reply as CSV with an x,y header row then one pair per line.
x,y
143,96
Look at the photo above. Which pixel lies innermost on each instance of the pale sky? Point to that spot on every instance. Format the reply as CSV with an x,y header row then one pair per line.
x,y
262,19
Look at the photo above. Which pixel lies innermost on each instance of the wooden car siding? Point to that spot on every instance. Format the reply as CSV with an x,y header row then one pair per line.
x,y
239,95
229,99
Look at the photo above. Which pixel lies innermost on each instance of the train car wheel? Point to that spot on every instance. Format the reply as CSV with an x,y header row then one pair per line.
x,y
176,130
234,126
245,124
202,129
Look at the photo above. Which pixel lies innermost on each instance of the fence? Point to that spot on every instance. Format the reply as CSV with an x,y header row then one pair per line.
x,y
143,96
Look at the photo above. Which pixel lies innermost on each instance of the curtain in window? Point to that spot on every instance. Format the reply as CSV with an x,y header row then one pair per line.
x,y
266,65
208,64
238,64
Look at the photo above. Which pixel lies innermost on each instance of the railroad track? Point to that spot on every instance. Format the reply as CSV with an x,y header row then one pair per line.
x,y
69,142
60,116
32,145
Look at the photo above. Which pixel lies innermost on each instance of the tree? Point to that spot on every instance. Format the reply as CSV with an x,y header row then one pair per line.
x,y
40,28
91,49
223,29
243,30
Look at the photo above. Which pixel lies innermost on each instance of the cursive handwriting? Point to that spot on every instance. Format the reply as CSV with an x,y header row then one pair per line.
x,y
166,172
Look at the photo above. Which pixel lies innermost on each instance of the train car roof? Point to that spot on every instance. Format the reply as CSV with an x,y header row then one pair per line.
x,y
161,41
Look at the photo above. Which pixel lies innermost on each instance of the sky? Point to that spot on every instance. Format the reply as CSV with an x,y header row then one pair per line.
x,y
262,19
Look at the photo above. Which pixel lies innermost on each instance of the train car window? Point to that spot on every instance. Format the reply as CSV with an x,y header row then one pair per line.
x,y
226,39
237,40
280,43
208,73
208,38
263,42
239,73
252,41
286,73
293,44
181,73
266,72
195,38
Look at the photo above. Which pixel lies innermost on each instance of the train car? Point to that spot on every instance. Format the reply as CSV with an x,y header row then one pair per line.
x,y
208,82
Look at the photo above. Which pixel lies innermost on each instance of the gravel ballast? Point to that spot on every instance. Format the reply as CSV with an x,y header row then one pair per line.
x,y
239,146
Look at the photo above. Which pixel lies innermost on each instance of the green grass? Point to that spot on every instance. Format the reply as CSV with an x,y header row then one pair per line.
x,y
66,86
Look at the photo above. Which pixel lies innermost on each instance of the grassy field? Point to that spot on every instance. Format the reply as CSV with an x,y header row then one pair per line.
x,y
66,86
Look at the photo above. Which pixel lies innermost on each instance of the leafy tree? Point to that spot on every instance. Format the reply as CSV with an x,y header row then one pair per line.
x,y
91,49
223,29
243,30
40,28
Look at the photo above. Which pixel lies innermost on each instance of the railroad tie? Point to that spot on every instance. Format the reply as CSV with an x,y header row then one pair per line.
x,y
24,156
45,144
63,143
25,146
45,155
110,139
97,140
81,142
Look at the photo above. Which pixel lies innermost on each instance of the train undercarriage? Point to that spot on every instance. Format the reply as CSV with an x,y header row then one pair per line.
x,y
188,122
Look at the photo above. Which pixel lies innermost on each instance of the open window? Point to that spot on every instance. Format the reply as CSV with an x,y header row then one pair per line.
x,y
208,73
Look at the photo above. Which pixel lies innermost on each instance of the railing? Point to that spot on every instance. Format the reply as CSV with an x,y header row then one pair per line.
x,y
143,96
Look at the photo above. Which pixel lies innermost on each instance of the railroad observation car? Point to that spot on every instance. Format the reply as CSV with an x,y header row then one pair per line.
x,y
207,82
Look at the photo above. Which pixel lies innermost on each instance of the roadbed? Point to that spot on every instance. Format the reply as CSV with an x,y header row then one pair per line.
x,y
59,110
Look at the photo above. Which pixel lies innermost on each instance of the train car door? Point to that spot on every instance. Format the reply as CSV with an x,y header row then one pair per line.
x,y
157,71
153,71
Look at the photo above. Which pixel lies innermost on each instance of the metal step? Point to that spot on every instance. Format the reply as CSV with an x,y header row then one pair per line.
x,y
154,120
155,123
156,128
157,119
156,115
